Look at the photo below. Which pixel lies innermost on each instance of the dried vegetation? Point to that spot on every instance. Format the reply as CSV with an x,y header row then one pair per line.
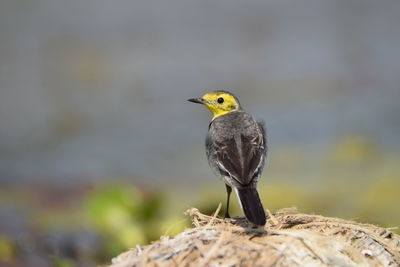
x,y
288,239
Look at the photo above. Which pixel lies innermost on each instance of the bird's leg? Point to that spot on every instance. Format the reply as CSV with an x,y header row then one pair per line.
x,y
228,191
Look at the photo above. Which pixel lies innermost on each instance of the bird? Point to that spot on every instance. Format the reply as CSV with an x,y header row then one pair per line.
x,y
236,151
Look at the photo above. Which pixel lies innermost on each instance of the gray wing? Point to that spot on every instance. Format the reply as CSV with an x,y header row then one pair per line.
x,y
261,126
241,156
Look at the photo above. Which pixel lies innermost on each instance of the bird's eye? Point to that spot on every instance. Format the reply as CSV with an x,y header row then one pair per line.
x,y
220,100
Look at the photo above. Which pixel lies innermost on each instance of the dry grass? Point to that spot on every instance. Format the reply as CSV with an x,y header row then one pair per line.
x,y
288,239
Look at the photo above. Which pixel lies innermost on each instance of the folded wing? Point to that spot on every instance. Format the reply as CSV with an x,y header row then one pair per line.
x,y
241,156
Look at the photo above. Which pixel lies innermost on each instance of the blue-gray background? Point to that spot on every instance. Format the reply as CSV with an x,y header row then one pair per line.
x,y
90,89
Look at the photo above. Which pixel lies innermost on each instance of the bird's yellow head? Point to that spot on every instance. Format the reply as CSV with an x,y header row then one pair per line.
x,y
219,102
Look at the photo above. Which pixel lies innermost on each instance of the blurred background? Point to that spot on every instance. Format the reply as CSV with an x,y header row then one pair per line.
x,y
100,151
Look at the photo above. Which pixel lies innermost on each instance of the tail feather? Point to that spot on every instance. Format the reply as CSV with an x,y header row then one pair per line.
x,y
251,205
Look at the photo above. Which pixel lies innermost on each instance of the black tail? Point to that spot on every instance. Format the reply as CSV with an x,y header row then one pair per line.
x,y
251,205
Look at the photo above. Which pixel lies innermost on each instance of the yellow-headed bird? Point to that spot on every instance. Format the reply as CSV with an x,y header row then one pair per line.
x,y
236,151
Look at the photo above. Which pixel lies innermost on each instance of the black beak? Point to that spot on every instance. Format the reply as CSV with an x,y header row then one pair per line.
x,y
197,100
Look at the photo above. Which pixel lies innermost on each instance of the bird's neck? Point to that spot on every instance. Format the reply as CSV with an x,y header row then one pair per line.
x,y
218,112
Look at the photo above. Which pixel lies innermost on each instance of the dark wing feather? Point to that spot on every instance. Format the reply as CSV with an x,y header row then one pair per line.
x,y
241,156
227,158
261,126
